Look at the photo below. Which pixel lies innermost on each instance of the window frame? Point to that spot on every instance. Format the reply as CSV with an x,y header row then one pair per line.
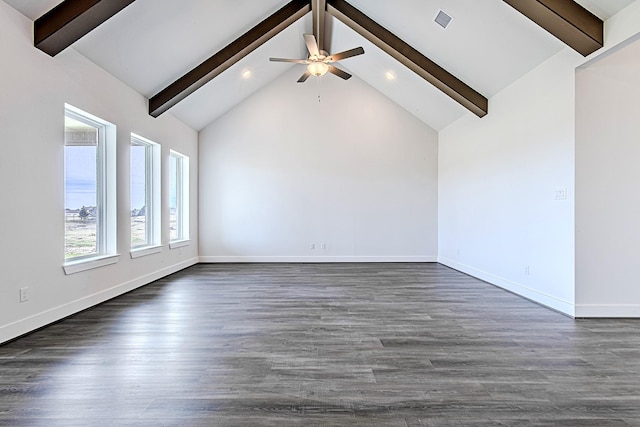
x,y
106,213
152,154
181,177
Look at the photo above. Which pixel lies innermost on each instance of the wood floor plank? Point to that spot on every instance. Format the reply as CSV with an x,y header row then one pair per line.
x,y
322,344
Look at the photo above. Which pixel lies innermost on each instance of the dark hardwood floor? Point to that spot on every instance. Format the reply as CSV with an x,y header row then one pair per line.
x,y
322,344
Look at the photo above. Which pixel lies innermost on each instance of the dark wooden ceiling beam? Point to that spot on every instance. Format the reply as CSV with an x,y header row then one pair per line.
x,y
567,20
70,20
409,56
232,53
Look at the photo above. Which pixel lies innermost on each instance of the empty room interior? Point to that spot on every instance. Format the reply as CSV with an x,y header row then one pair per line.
x,y
320,212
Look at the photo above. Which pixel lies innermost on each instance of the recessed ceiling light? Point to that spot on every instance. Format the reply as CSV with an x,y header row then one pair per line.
x,y
443,19
390,75
246,74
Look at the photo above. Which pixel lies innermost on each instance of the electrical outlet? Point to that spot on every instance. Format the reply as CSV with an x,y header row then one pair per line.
x,y
323,246
560,193
312,246
527,271
24,294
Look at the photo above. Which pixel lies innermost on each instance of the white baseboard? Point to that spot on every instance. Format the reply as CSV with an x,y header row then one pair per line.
x,y
608,310
550,301
314,259
29,324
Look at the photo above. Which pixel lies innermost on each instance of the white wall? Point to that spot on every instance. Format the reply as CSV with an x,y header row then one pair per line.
x,y
498,215
607,181
498,177
33,90
282,170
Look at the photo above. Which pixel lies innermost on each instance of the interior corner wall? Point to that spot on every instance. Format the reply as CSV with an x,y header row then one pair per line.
x,y
33,90
506,181
326,171
607,177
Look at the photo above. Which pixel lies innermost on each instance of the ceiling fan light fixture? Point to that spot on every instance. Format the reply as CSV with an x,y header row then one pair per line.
x,y
319,62
318,68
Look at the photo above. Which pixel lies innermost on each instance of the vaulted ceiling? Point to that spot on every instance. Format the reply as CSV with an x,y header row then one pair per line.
x,y
151,43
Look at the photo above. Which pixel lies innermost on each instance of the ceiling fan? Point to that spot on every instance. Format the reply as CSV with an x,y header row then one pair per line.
x,y
319,61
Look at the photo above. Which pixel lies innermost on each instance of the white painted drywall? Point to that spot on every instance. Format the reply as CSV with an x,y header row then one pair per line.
x,y
499,218
621,27
33,90
282,171
498,177
607,181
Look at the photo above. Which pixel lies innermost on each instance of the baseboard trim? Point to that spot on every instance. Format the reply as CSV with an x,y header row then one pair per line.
x,y
313,259
549,301
607,311
24,326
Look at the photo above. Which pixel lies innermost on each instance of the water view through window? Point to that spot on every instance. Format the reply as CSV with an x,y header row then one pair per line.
x,y
178,196
145,192
81,188
174,232
139,209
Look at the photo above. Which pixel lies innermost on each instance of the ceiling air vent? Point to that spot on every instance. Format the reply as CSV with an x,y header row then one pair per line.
x,y
443,19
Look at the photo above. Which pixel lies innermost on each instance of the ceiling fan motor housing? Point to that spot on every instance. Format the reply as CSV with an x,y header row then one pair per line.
x,y
319,62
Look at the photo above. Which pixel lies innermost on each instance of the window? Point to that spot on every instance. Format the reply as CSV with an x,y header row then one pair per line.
x,y
89,187
145,195
178,199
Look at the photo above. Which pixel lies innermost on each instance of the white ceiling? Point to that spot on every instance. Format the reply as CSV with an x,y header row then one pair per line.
x,y
151,43
604,9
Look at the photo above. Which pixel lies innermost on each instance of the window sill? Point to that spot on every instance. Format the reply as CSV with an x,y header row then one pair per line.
x,y
179,244
144,251
73,267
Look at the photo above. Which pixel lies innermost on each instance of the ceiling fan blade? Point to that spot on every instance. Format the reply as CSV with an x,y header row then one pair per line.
x,y
304,77
296,61
312,45
338,72
346,54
